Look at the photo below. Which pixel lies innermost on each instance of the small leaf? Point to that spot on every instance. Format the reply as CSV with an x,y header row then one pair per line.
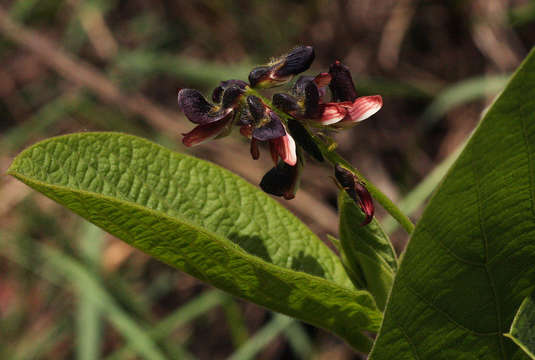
x,y
203,220
523,328
367,249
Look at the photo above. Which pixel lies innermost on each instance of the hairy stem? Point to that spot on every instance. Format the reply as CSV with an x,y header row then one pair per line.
x,y
334,158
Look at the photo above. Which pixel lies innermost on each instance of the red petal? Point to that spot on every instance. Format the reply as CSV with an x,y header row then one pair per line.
x,y
255,152
365,202
202,133
364,107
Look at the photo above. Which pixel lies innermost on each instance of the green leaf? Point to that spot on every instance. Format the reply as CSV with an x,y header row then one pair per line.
x,y
203,220
469,263
367,249
523,328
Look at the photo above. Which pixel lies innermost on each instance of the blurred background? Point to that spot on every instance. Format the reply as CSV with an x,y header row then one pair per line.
x,y
68,290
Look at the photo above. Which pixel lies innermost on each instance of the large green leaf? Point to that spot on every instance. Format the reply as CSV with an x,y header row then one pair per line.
x,y
470,261
204,220
368,250
523,328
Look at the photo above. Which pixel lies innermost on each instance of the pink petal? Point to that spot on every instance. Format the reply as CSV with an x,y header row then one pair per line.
x,y
202,133
290,153
364,107
283,147
333,113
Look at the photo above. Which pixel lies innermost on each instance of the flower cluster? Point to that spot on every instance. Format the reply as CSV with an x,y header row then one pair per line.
x,y
284,123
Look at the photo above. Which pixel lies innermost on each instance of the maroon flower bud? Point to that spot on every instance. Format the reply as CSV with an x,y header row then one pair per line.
x,y
356,191
312,100
365,202
282,180
341,85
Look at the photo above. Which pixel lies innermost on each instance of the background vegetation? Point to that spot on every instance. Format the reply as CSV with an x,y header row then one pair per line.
x,y
69,290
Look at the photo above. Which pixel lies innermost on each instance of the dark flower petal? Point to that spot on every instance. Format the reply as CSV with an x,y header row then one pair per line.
x,y
257,109
281,180
197,109
299,86
205,132
231,96
344,177
272,130
297,61
303,138
258,75
365,202
356,191
341,84
285,102
312,99
218,91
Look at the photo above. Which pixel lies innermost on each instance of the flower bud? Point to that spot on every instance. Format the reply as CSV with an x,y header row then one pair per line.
x,y
281,70
356,191
297,61
341,85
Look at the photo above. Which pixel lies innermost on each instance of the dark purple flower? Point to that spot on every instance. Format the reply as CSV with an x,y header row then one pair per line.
x,y
212,120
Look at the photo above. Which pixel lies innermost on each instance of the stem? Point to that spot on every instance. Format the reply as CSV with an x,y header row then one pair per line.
x,y
334,158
